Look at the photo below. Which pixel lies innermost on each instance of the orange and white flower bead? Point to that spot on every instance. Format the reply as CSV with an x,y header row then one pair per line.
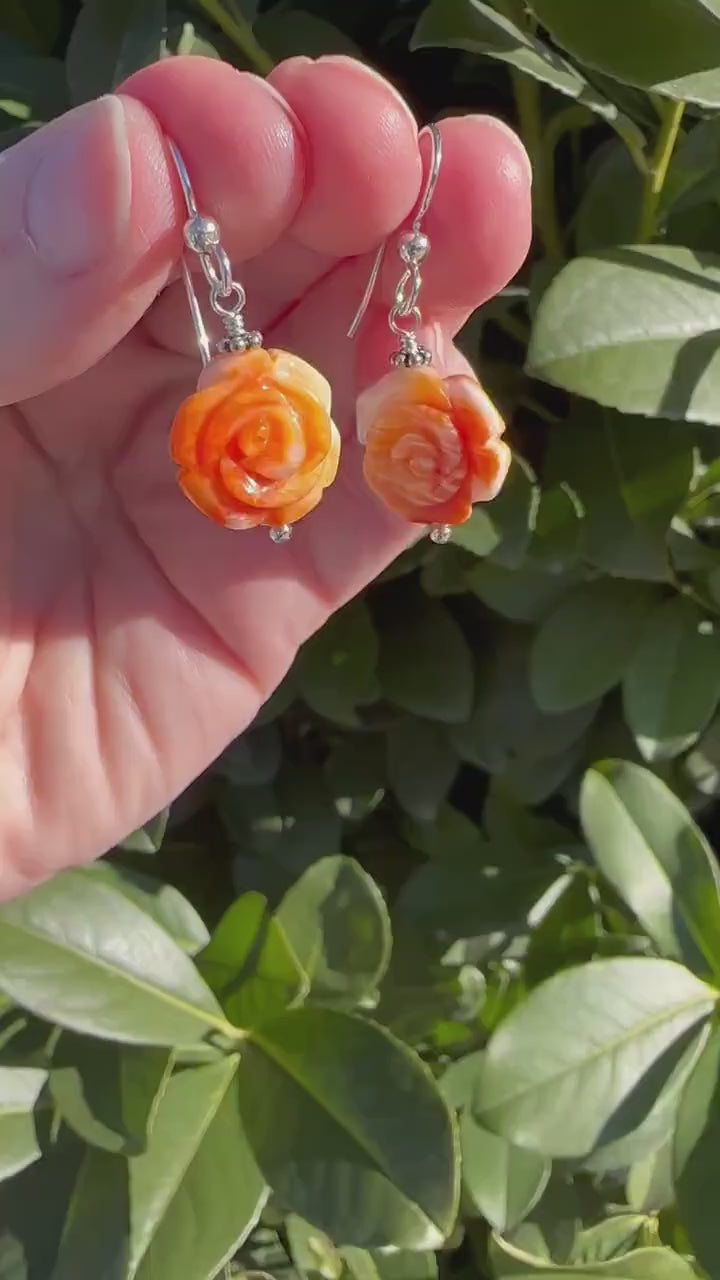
x,y
433,446
255,444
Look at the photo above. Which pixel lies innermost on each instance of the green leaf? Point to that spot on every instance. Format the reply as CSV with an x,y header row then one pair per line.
x,y
163,902
148,838
185,1206
514,514
478,534
568,933
401,1264
507,728
20,1089
34,22
612,1238
501,1181
522,595
252,759
582,649
341,1118
469,896
337,924
583,1059
620,42
109,42
509,1263
632,476
32,88
425,663
285,33
696,1155
79,954
108,1094
672,685
479,28
648,846
337,669
313,1254
607,212
650,1186
421,766
250,965
635,329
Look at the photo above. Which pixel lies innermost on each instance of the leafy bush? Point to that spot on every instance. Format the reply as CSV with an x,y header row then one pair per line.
x,y
422,976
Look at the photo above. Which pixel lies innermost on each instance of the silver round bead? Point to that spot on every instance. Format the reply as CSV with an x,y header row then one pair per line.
x,y
201,234
281,533
413,247
254,338
440,534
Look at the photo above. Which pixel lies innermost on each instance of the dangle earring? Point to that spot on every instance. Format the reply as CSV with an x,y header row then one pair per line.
x,y
255,444
432,444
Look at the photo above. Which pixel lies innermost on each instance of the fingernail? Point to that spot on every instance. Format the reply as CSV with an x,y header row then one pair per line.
x,y
362,68
78,199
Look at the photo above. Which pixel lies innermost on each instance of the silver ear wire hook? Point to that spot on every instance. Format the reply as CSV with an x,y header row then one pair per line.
x,y
413,248
227,297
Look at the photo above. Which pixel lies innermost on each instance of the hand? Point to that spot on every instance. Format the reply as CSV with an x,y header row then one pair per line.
x,y
137,638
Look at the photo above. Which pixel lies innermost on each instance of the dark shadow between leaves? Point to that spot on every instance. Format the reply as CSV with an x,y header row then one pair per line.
x,y
692,361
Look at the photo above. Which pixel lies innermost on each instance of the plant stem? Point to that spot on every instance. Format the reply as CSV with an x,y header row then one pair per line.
x,y
527,100
671,114
241,34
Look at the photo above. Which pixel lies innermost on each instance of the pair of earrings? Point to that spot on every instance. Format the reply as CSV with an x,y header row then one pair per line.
x,y
256,443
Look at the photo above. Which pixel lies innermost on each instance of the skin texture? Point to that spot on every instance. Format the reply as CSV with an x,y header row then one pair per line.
x,y
136,637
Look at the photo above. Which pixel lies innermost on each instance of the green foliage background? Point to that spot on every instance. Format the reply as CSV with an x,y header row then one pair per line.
x,y
422,977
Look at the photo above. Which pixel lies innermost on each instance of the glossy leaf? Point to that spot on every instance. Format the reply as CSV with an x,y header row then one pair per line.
x,y
342,1119
696,1155
643,1264
657,859
672,686
337,924
438,683
583,1059
632,476
250,965
107,1093
80,954
337,668
182,1208
421,766
167,906
635,329
502,1181
583,648
20,1089
619,41
109,42
479,28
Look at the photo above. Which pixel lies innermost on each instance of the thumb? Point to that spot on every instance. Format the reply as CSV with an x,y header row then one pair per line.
x,y
89,231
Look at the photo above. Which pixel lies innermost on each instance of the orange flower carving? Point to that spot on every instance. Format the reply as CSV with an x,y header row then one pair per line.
x,y
256,444
432,445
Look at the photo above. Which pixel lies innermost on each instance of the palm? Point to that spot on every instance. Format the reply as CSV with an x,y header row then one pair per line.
x,y
137,637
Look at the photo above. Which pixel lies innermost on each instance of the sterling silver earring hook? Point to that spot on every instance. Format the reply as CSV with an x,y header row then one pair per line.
x,y
413,247
227,297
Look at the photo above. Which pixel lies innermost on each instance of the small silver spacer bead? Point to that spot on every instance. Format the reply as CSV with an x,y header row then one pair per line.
x,y
282,533
201,234
440,534
239,339
413,247
413,356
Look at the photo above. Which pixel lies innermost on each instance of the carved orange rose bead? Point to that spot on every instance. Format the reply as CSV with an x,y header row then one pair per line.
x,y
256,444
432,445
